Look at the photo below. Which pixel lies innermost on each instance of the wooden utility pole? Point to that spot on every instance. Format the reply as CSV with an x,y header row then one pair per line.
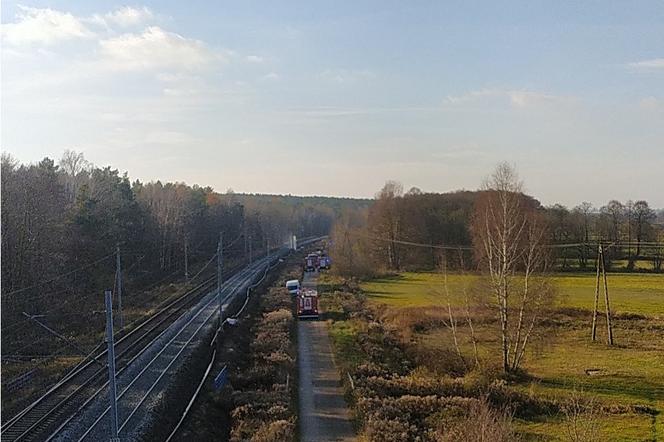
x,y
601,267
609,326
596,304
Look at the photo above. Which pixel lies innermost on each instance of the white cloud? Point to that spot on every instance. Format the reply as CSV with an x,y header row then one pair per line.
x,y
655,64
124,17
516,98
347,76
271,76
254,59
650,103
155,49
43,26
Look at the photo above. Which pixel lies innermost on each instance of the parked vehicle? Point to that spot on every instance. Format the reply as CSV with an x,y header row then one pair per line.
x,y
311,263
307,305
293,286
324,262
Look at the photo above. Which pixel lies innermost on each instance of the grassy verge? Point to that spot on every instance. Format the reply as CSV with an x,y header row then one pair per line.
x,y
625,382
393,395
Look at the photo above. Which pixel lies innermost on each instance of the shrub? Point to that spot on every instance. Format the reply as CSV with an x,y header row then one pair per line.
x,y
277,431
481,423
262,406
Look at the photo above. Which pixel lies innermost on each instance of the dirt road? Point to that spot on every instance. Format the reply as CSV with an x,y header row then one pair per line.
x,y
323,412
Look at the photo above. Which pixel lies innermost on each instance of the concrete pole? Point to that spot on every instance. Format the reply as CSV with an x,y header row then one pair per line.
x,y
244,228
186,258
112,395
220,260
251,257
118,283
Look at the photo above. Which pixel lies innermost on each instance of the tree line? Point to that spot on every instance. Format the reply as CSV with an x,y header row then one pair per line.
x,y
510,242
62,222
407,230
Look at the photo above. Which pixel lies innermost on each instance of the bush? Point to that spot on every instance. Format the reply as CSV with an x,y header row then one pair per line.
x,y
481,423
262,404
277,431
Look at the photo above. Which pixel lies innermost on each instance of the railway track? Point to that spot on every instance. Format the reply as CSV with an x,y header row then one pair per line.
x,y
76,407
66,396
139,390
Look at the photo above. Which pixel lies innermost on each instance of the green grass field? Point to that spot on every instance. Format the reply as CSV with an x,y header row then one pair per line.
x,y
629,373
629,293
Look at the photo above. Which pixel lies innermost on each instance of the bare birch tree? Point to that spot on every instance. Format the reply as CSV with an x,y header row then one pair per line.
x,y
509,236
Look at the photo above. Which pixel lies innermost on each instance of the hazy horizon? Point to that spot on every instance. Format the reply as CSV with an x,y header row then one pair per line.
x,y
332,99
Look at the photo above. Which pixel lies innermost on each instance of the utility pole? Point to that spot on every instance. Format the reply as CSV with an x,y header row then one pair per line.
x,y
244,227
596,304
601,266
609,327
220,260
186,258
251,258
118,284
111,365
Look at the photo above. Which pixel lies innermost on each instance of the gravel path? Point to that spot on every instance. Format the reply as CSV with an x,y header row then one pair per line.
x,y
324,414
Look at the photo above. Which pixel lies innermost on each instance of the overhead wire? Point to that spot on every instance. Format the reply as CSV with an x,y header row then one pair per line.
x,y
60,276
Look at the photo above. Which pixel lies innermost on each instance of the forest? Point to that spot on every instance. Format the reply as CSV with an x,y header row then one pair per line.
x,y
407,230
64,222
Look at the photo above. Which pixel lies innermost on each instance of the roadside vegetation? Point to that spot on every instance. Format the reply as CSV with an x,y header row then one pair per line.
x,y
258,401
263,409
478,305
402,352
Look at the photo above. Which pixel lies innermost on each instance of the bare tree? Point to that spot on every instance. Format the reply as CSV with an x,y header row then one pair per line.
x,y
386,219
582,216
451,322
615,212
642,214
581,420
74,168
509,238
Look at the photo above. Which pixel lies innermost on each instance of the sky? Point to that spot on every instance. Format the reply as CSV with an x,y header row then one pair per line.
x,y
335,98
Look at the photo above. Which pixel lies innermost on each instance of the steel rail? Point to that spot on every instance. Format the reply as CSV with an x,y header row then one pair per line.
x,y
241,279
49,409
102,387
61,383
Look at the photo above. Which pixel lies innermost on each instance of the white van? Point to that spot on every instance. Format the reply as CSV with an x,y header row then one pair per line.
x,y
293,286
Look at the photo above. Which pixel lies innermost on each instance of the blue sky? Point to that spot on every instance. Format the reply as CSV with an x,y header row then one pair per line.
x,y
334,98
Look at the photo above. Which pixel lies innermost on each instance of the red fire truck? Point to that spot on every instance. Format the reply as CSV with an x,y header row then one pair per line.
x,y
311,263
307,304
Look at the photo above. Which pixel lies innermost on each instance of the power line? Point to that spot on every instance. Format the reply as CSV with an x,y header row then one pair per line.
x,y
60,276
466,247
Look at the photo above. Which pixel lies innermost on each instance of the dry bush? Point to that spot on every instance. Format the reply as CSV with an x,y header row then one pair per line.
x,y
581,419
262,404
278,316
482,423
277,431
389,430
440,361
